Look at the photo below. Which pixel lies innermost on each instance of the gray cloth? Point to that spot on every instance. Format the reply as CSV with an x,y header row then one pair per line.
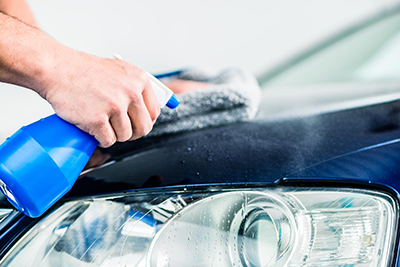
x,y
234,96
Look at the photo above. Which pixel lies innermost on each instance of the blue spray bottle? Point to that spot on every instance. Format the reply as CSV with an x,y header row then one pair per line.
x,y
40,163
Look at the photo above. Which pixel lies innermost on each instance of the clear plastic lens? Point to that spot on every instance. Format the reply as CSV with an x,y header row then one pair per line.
x,y
4,189
242,228
347,229
260,227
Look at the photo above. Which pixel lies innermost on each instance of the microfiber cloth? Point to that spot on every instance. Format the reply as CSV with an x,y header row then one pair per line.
x,y
233,96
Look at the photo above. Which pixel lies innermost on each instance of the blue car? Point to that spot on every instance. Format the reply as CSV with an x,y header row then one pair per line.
x,y
314,180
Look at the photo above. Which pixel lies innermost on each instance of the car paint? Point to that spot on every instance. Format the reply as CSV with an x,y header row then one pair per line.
x,y
254,152
357,147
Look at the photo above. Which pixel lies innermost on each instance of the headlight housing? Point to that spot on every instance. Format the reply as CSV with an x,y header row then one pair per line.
x,y
230,227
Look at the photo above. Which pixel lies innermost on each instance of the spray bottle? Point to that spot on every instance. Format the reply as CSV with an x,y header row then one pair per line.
x,y
40,163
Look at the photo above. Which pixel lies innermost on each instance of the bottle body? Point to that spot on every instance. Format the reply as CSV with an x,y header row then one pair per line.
x,y
40,163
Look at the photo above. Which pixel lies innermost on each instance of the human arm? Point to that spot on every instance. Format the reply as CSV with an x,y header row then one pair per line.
x,y
109,98
18,9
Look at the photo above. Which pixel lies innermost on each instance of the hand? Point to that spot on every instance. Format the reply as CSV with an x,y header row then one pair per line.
x,y
182,86
108,98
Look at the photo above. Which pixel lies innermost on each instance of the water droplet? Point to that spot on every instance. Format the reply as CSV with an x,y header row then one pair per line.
x,y
183,162
197,174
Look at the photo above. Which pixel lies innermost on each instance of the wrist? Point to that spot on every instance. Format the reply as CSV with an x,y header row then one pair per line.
x,y
47,71
54,69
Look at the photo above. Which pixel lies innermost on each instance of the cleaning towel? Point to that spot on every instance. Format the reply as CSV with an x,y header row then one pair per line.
x,y
233,96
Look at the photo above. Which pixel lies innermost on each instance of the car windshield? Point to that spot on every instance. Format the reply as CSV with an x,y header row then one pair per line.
x,y
354,68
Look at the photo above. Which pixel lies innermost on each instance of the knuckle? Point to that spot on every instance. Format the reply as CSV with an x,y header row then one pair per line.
x,y
124,137
140,82
142,131
105,141
115,108
148,129
137,85
134,137
98,130
110,139
142,76
97,124
108,142
156,113
135,97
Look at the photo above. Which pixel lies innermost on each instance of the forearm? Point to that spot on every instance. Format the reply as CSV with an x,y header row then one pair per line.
x,y
27,55
18,9
108,98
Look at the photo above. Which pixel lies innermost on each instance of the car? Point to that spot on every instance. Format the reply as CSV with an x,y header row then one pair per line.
x,y
312,181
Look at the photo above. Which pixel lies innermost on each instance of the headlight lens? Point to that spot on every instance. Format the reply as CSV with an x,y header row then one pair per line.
x,y
251,227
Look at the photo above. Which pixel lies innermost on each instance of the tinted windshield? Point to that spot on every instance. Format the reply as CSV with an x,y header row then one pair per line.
x,y
358,67
370,54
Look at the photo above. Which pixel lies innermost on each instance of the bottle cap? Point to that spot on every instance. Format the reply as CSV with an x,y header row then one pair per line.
x,y
173,102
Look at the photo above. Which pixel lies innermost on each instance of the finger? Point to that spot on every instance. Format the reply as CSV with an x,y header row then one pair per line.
x,y
140,119
104,133
121,124
150,100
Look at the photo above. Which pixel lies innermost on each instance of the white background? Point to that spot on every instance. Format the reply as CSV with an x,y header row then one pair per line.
x,y
160,36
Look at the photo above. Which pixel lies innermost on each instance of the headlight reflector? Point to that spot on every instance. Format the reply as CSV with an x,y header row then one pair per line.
x,y
246,227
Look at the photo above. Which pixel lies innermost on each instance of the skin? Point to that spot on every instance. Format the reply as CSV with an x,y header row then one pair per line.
x,y
110,99
182,86
18,9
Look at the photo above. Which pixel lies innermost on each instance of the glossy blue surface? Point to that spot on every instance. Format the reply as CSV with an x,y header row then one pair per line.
x,y
41,162
173,102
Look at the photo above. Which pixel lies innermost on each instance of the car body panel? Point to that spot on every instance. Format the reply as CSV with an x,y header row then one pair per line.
x,y
358,147
252,152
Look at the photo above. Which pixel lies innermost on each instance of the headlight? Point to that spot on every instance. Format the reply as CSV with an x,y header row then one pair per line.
x,y
250,227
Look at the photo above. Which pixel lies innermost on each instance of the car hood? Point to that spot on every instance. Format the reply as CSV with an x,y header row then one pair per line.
x,y
325,146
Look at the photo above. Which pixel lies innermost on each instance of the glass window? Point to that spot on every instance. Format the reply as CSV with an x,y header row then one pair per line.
x,y
370,54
